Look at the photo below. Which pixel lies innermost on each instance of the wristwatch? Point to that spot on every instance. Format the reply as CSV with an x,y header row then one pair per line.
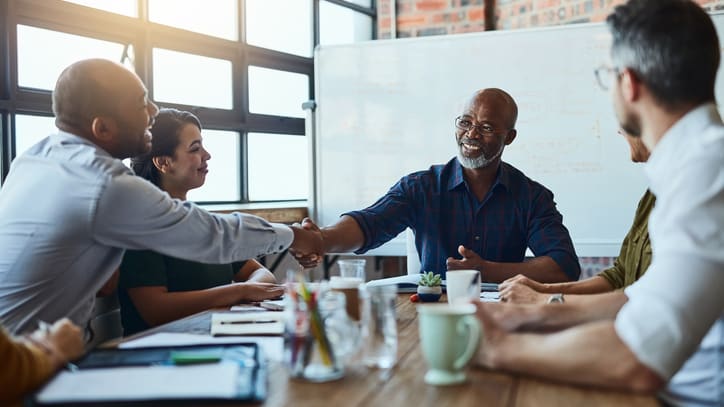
x,y
556,299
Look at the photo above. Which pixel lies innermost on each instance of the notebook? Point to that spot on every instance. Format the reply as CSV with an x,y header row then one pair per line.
x,y
175,375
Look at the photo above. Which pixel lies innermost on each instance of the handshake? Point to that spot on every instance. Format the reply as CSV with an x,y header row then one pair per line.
x,y
308,247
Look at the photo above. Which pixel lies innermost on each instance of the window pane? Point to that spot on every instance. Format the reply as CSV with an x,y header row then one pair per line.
x,y
363,3
222,181
270,157
31,129
265,17
126,7
217,18
340,25
277,93
176,79
43,54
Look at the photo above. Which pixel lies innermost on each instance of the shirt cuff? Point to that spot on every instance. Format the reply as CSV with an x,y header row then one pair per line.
x,y
285,237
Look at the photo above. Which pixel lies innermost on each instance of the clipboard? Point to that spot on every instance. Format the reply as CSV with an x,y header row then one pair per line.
x,y
209,374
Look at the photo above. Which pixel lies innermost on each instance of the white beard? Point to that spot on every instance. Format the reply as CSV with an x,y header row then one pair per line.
x,y
477,162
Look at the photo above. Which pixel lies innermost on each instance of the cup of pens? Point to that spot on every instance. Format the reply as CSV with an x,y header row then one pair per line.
x,y
317,331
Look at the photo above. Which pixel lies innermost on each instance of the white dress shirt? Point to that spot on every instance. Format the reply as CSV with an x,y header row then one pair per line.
x,y
68,210
680,299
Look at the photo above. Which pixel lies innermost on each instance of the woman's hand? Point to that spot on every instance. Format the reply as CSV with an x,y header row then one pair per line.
x,y
250,291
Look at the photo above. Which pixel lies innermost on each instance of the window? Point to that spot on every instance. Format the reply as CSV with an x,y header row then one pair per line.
x,y
216,18
176,79
222,180
244,67
43,54
276,92
125,7
265,17
340,25
278,167
30,130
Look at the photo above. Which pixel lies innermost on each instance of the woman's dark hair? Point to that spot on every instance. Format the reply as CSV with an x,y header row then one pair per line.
x,y
166,129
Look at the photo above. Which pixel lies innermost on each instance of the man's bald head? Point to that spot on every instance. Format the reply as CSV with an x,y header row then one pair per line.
x,y
85,90
498,98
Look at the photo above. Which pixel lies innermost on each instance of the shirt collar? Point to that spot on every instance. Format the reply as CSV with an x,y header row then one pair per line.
x,y
70,138
457,179
675,140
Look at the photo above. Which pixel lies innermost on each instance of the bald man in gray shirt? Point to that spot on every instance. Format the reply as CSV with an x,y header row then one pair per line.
x,y
70,207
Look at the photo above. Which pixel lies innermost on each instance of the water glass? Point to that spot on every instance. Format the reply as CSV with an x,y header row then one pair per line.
x,y
318,333
352,268
379,328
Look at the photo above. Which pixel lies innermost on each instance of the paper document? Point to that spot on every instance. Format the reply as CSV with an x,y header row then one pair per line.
x,y
216,380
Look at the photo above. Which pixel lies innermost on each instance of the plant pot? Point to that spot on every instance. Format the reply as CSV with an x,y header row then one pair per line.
x,y
429,294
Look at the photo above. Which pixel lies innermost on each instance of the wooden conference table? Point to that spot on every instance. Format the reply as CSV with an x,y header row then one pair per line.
x,y
404,386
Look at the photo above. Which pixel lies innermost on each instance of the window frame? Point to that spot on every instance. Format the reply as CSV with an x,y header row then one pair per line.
x,y
145,35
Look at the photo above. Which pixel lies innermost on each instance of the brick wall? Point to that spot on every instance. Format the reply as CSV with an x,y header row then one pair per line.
x,y
416,18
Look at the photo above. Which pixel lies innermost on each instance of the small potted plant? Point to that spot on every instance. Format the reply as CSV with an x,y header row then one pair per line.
x,y
429,288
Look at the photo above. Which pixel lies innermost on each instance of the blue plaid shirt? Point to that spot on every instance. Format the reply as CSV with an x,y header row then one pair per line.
x,y
438,206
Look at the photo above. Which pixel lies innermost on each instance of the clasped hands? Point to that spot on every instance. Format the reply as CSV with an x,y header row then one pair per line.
x,y
308,246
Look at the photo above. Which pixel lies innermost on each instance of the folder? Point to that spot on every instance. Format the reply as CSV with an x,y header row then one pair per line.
x,y
149,376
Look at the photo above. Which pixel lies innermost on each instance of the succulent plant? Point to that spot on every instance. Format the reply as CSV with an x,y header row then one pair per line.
x,y
430,279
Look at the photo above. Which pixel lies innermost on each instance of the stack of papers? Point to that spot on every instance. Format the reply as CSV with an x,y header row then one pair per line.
x,y
247,323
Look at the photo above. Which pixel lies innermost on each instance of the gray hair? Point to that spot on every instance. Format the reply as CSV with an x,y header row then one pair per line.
x,y
672,47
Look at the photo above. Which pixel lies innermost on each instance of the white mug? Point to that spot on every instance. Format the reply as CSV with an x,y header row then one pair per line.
x,y
462,286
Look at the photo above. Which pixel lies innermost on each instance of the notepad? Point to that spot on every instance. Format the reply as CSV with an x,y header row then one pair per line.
x,y
160,375
247,323
148,383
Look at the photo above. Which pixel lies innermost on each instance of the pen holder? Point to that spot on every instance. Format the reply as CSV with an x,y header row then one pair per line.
x,y
317,333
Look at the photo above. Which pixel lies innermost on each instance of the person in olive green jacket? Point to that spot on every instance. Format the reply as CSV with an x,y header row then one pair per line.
x,y
27,362
631,263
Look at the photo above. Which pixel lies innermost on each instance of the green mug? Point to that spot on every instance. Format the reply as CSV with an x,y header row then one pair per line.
x,y
449,336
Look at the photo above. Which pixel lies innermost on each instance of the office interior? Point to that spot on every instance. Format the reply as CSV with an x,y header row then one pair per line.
x,y
244,67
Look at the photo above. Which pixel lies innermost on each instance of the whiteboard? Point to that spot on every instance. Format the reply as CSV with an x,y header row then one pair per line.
x,y
386,108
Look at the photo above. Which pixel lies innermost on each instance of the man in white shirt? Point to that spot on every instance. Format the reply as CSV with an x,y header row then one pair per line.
x,y
665,56
69,207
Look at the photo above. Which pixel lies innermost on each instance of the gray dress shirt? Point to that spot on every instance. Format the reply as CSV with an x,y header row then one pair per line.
x,y
68,210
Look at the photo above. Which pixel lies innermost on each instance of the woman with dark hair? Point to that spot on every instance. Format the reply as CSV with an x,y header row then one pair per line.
x,y
155,288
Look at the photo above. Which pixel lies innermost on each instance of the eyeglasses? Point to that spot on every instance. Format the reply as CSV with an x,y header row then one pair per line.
x,y
482,129
605,75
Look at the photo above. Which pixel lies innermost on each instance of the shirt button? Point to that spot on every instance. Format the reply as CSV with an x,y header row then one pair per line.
x,y
477,237
281,247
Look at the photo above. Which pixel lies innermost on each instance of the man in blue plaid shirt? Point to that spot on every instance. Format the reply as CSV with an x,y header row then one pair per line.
x,y
474,212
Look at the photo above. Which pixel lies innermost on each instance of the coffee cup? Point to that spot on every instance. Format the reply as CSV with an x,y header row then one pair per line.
x,y
349,286
462,286
449,337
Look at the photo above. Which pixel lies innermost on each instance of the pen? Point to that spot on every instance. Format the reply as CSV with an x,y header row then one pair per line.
x,y
45,328
261,321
